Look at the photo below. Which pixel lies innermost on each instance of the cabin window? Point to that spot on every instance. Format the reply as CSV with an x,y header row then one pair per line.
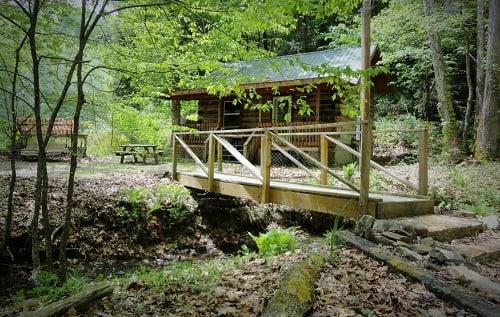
x,y
231,114
282,108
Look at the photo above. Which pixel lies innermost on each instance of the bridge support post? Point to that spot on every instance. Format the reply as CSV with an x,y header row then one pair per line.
x,y
324,160
175,154
211,163
265,166
423,183
219,157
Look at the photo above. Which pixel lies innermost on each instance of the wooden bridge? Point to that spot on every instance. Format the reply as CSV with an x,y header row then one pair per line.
x,y
346,201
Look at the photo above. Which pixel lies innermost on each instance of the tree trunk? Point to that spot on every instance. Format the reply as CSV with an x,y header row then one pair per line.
x,y
470,97
443,89
73,163
13,144
35,256
80,301
488,136
481,36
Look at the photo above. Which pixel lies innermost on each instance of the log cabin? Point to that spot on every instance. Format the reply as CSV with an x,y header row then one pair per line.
x,y
279,82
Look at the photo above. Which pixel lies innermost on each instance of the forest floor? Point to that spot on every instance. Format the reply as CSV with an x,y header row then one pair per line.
x,y
197,274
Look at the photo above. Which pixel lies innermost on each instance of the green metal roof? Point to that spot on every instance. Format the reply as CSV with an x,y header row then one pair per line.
x,y
297,66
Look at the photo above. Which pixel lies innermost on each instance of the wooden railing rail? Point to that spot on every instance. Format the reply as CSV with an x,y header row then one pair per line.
x,y
238,156
190,152
274,129
372,163
315,162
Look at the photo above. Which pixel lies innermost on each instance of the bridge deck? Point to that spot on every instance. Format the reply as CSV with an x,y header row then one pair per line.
x,y
313,197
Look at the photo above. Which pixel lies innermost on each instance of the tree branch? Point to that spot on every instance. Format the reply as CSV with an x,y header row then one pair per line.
x,y
13,22
142,5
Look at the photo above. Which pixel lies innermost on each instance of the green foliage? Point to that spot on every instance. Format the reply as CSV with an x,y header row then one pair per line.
x,y
333,241
367,312
275,241
480,208
349,170
168,202
49,289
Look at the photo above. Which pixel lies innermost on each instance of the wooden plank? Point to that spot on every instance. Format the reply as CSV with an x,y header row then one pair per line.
x,y
324,159
265,163
219,157
193,156
326,204
239,157
286,128
315,162
408,208
245,191
423,167
294,160
211,163
372,163
246,144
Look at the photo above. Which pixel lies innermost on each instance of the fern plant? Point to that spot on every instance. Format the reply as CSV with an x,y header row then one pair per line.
x,y
275,241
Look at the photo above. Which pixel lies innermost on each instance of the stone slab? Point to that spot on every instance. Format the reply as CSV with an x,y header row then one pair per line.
x,y
475,281
482,252
443,228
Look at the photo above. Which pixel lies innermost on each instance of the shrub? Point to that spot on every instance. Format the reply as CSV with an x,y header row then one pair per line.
x,y
481,208
51,291
168,203
349,170
275,241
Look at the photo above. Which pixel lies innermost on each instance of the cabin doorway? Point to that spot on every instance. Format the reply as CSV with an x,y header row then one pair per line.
x,y
231,115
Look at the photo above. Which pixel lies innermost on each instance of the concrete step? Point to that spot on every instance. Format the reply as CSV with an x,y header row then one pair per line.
x,y
441,227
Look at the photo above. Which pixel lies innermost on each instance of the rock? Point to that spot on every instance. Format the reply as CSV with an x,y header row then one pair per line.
x,y
421,248
380,239
463,213
412,255
444,256
381,225
483,252
476,281
490,222
400,243
442,227
396,236
428,242
364,227
434,312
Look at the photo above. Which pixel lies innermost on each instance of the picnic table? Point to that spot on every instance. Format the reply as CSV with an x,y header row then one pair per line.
x,y
139,150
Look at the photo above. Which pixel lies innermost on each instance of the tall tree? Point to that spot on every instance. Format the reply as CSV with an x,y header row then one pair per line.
x,y
488,136
480,49
443,88
13,145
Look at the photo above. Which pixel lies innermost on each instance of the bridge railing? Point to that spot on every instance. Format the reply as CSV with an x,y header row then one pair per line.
x,y
278,138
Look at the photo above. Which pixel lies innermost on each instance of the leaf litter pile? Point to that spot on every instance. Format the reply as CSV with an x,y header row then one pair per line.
x,y
357,285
